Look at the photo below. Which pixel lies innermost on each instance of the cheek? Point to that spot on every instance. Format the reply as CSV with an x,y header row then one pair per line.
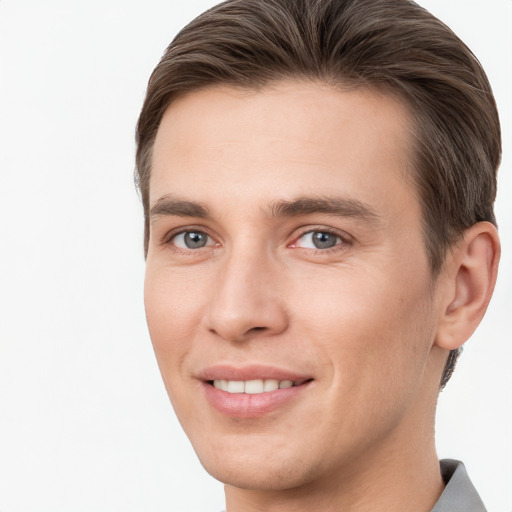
x,y
171,320
375,332
172,323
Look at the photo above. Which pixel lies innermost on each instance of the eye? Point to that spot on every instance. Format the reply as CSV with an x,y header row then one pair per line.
x,y
192,240
318,240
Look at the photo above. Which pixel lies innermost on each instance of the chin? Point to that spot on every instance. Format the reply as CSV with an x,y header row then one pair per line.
x,y
265,477
257,468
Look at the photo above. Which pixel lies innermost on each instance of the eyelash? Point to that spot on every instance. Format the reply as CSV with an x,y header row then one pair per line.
x,y
168,239
344,240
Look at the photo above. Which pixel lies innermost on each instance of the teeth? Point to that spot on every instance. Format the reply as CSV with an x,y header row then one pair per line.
x,y
270,385
251,386
221,384
254,386
235,386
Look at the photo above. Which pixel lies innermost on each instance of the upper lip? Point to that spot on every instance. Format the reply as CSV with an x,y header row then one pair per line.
x,y
249,372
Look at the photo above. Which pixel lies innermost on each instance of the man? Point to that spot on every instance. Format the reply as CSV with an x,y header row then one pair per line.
x,y
318,179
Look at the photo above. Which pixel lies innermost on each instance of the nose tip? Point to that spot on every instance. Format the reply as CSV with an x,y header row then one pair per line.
x,y
241,321
246,304
238,328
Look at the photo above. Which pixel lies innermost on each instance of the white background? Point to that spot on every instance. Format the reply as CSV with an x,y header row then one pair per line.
x,y
84,419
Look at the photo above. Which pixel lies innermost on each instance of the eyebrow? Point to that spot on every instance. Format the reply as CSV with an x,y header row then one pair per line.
x,y
167,205
337,206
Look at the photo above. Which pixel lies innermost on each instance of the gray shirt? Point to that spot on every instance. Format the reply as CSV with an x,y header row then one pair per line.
x,y
459,494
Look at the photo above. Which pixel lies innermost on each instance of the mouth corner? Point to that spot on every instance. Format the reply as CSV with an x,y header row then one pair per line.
x,y
304,381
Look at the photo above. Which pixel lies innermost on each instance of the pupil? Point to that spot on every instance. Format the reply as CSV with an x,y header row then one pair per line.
x,y
323,240
195,240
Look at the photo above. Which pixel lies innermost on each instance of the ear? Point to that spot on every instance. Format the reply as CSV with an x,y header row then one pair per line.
x,y
470,275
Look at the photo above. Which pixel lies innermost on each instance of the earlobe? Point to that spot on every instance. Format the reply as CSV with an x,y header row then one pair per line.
x,y
472,273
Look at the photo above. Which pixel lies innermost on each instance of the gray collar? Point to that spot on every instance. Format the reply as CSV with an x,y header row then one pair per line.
x,y
459,494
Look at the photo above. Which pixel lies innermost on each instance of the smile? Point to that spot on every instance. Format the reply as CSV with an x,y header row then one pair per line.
x,y
253,387
252,390
239,393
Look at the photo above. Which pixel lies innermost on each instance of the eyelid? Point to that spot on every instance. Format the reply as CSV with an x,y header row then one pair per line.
x,y
168,236
344,237
182,246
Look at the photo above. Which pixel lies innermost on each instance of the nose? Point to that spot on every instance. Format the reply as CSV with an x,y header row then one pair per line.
x,y
247,299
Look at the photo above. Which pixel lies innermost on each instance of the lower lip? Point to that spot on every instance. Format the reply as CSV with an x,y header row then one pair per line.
x,y
245,405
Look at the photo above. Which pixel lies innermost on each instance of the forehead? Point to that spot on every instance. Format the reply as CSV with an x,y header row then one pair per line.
x,y
281,142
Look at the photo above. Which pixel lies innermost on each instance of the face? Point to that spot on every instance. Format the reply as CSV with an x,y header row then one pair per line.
x,y
288,293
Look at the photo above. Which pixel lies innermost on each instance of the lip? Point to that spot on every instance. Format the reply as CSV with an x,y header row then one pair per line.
x,y
244,405
249,372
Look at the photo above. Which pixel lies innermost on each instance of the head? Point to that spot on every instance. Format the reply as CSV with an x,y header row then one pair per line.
x,y
351,45
384,58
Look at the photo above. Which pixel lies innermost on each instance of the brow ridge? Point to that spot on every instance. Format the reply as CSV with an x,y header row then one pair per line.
x,y
168,205
302,206
338,206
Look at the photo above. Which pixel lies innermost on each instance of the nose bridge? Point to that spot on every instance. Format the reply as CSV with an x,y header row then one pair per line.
x,y
246,296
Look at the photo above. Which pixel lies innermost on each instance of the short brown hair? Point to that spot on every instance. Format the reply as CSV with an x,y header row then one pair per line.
x,y
391,45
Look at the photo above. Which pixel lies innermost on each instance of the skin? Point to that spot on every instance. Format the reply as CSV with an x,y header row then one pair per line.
x,y
364,319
